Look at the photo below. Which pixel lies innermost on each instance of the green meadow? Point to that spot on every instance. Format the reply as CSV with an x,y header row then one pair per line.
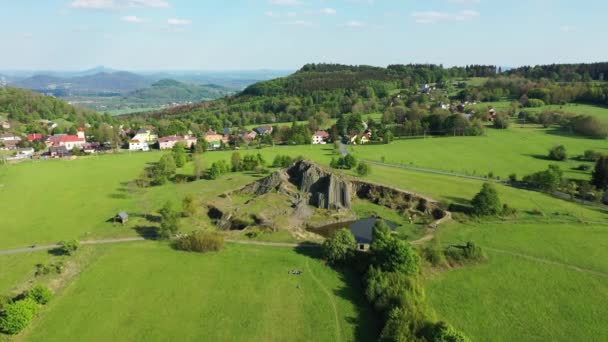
x,y
542,280
149,292
516,150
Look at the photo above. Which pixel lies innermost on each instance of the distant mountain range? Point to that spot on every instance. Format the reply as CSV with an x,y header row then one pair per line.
x,y
106,80
103,82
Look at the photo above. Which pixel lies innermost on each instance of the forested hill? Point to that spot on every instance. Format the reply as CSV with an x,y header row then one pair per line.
x,y
168,90
314,78
329,88
564,72
26,108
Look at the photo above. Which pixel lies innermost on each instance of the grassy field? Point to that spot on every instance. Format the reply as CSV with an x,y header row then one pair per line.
x,y
45,202
149,292
514,299
515,150
576,108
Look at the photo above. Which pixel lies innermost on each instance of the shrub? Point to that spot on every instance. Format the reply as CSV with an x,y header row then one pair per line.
x,y
363,169
169,221
188,206
591,155
508,211
69,247
340,247
347,162
40,294
513,178
535,103
501,121
588,126
558,153
460,254
600,173
282,161
17,315
201,242
443,332
548,180
486,202
433,253
391,254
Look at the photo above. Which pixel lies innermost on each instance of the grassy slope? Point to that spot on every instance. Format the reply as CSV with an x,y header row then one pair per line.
x,y
514,299
516,150
148,292
54,200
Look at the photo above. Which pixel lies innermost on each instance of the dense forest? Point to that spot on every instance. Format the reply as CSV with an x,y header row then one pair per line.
x,y
25,108
564,72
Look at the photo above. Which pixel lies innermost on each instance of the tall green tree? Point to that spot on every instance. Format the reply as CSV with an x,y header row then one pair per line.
x,y
340,247
486,202
179,154
391,254
599,177
169,221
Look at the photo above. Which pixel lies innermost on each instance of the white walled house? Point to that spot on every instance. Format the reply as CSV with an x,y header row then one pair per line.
x,y
136,145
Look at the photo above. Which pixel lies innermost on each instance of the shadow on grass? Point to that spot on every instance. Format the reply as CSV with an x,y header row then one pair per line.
x,y
539,156
363,320
147,232
57,252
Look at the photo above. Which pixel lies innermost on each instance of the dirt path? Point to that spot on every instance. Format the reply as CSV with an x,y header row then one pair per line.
x,y
548,262
331,301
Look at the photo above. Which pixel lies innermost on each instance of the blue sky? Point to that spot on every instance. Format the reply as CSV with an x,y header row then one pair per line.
x,y
284,34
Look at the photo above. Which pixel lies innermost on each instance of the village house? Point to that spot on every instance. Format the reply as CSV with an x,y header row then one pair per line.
x,y
364,138
146,136
167,143
213,136
27,152
68,141
34,137
9,137
58,152
5,125
320,138
137,145
48,124
263,130
91,148
250,136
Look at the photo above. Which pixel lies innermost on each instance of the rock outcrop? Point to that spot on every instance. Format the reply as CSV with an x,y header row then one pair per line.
x,y
321,188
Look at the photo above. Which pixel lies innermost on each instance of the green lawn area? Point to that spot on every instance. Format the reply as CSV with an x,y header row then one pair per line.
x,y
515,150
49,201
149,292
514,299
18,268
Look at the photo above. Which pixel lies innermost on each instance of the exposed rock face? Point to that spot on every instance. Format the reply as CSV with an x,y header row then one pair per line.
x,y
308,183
326,190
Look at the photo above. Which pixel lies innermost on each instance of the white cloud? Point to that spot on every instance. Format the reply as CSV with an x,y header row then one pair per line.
x,y
431,17
118,4
93,4
148,3
131,19
280,15
286,2
355,24
304,23
464,2
178,22
566,28
328,11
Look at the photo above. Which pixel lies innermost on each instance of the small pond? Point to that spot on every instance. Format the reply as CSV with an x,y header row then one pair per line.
x,y
361,229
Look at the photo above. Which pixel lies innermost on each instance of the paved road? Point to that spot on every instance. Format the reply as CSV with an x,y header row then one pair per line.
x,y
343,148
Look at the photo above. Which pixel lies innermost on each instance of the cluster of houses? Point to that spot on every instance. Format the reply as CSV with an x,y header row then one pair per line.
x,y
63,145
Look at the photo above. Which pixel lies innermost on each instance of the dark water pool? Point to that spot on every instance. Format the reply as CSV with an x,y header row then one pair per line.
x,y
361,229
